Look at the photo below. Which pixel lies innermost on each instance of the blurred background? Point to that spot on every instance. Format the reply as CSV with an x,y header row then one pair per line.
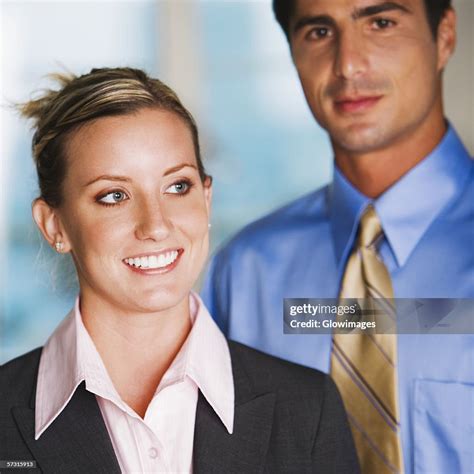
x,y
229,63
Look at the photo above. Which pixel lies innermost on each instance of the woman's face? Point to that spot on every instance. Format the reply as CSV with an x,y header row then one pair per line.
x,y
135,212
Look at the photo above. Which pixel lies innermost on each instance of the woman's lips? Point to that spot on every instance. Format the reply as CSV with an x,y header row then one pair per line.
x,y
356,104
154,263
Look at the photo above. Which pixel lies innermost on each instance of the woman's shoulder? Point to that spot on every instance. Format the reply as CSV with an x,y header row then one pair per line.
x,y
18,376
307,412
266,372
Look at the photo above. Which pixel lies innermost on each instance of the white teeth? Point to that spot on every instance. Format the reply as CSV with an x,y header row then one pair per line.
x,y
153,261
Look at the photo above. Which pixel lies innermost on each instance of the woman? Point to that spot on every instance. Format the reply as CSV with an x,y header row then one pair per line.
x,y
138,378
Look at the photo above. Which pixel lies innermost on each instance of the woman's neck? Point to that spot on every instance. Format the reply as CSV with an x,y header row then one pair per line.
x,y
136,348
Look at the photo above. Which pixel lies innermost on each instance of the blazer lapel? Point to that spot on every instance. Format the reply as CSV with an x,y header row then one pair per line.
x,y
217,451
76,442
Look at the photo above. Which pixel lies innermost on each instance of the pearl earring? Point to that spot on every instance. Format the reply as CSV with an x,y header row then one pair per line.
x,y
209,225
59,246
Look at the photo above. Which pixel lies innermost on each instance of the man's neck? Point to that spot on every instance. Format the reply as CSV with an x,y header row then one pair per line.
x,y
374,172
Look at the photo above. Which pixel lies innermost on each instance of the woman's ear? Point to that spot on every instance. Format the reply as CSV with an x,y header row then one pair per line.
x,y
446,38
208,193
49,223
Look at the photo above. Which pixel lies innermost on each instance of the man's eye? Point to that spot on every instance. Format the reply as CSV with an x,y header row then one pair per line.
x,y
182,187
114,197
319,33
383,23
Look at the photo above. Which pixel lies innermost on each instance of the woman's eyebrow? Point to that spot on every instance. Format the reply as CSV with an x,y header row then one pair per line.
x,y
109,177
126,179
174,169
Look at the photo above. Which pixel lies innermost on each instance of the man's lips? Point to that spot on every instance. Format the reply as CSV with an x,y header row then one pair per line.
x,y
356,104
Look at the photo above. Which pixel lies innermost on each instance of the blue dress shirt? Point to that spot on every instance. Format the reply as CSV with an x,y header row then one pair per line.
x,y
300,251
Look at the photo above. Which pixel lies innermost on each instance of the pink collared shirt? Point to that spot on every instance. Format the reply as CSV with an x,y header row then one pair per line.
x,y
163,440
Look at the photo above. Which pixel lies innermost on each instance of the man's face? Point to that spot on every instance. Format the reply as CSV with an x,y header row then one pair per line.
x,y
370,69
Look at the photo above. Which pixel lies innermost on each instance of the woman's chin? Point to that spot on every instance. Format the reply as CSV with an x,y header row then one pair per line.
x,y
157,301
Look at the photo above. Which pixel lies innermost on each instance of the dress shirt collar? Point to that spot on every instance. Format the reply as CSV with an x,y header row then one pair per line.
x,y
70,357
346,205
408,207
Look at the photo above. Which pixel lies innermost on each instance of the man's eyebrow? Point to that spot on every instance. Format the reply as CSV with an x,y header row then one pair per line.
x,y
178,168
109,177
380,8
326,20
323,20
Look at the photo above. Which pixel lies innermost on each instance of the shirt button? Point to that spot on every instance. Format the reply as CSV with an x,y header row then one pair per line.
x,y
153,453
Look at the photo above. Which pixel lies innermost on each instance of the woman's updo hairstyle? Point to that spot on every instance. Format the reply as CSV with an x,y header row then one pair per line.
x,y
100,93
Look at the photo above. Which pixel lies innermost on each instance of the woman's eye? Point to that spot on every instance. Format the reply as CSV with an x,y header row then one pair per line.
x,y
383,23
113,197
182,187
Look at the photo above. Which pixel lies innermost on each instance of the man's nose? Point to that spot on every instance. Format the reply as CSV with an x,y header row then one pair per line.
x,y
152,222
350,56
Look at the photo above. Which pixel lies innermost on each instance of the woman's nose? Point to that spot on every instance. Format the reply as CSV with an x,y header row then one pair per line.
x,y
151,222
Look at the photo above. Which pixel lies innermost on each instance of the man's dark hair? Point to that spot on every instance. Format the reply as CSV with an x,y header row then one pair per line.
x,y
435,10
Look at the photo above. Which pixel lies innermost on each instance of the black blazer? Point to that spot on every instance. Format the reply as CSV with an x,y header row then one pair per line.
x,y
288,419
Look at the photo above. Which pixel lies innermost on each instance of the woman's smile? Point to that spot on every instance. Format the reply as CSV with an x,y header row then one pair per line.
x,y
154,263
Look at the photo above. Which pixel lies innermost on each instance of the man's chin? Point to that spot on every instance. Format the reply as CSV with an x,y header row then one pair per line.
x,y
359,138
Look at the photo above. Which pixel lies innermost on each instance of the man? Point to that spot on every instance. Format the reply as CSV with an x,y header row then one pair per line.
x,y
396,221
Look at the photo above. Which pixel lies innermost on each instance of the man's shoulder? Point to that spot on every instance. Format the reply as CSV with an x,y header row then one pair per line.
x,y
18,376
308,208
302,214
465,198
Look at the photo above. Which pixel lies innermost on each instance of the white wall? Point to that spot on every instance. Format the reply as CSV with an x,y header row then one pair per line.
x,y
459,78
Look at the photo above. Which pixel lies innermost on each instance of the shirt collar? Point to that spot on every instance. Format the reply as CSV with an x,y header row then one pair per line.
x,y
58,362
70,356
346,205
209,364
407,208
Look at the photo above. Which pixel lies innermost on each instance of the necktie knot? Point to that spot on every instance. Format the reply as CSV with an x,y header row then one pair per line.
x,y
369,228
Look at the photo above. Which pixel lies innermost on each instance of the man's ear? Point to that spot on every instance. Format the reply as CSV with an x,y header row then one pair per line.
x,y
446,39
49,223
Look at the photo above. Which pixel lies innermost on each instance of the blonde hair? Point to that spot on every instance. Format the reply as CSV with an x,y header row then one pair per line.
x,y
99,93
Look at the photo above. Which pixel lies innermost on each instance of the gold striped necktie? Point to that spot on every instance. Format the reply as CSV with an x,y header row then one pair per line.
x,y
364,365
